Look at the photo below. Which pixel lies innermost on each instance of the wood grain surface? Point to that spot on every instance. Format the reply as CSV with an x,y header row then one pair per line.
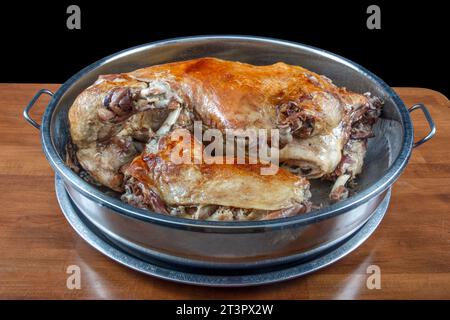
x,y
411,246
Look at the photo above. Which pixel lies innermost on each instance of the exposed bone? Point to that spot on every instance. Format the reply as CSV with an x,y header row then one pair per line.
x,y
152,145
339,191
204,211
285,213
169,122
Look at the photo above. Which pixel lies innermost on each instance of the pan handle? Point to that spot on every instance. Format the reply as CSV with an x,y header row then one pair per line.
x,y
430,123
26,114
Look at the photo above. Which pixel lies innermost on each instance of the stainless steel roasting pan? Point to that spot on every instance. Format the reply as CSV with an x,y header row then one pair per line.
x,y
210,244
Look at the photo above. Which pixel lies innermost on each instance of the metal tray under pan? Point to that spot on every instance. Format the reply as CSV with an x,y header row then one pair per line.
x,y
212,244
211,277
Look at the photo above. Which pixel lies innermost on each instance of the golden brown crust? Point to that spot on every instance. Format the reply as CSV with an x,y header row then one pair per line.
x,y
206,183
236,95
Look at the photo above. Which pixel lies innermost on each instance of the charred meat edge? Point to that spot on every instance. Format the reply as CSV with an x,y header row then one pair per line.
x,y
359,132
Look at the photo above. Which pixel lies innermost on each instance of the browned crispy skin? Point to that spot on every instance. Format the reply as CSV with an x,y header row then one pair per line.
x,y
233,185
234,95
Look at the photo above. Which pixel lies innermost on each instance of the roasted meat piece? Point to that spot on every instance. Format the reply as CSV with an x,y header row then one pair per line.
x,y
234,95
158,180
111,120
315,118
323,128
323,155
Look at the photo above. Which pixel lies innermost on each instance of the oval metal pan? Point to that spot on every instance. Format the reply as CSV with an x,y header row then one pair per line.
x,y
234,243
186,46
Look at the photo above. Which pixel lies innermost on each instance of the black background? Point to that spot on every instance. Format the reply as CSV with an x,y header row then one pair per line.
x,y
409,50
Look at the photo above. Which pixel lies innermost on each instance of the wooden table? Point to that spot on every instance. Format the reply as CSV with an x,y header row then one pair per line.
x,y
411,246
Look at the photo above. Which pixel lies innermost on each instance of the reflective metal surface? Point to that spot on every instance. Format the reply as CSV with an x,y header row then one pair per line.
x,y
26,111
217,249
216,244
208,277
430,123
